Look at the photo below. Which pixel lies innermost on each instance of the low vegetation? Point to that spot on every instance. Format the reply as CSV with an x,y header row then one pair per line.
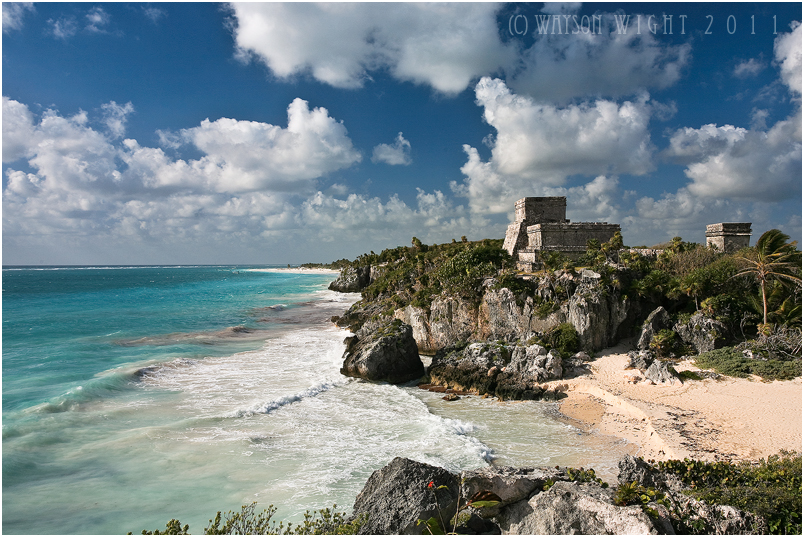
x,y
771,488
249,521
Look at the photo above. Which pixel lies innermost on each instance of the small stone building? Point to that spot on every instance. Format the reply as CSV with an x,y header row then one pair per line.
x,y
729,236
540,225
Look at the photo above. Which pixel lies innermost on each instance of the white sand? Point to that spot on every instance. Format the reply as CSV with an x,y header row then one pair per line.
x,y
304,270
728,419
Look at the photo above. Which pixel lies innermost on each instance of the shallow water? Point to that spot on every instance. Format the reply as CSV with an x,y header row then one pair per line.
x,y
129,399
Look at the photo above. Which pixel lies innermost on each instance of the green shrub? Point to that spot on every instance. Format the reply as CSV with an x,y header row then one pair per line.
x,y
664,342
247,521
771,488
563,338
733,363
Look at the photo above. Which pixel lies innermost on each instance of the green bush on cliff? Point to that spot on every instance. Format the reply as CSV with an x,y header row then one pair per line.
x,y
563,338
771,488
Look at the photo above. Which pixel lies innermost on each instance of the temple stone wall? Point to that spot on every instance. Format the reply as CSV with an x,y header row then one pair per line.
x,y
571,238
729,236
540,225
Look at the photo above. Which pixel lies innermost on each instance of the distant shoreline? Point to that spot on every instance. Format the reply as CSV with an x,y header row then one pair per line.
x,y
300,270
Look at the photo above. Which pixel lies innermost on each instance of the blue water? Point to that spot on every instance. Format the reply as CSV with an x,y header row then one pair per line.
x,y
133,395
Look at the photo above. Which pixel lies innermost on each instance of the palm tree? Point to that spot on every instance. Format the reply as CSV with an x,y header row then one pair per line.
x,y
772,258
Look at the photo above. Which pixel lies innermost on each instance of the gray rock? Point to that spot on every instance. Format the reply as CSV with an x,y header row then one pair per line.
x,y
661,372
571,508
511,484
703,333
640,360
655,322
387,353
397,496
352,280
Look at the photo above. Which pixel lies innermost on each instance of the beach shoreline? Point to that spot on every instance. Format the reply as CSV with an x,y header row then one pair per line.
x,y
728,419
298,270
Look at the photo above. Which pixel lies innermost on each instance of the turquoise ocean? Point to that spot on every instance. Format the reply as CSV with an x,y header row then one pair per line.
x,y
133,395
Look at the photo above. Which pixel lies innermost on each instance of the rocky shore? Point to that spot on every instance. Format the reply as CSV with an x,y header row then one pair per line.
x,y
616,386
409,497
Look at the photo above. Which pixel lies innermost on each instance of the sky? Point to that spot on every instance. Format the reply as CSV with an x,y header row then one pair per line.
x,y
256,133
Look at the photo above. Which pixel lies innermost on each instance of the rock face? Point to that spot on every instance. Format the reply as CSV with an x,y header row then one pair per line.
x,y
703,333
536,501
600,317
352,280
570,508
510,372
656,321
397,495
661,373
386,352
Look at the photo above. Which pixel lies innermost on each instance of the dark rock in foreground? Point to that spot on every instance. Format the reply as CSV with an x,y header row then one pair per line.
x,y
397,496
352,280
388,353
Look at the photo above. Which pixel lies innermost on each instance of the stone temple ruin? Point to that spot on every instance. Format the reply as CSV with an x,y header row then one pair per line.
x,y
540,225
728,236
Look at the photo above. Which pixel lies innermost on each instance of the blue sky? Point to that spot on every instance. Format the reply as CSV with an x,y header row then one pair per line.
x,y
286,133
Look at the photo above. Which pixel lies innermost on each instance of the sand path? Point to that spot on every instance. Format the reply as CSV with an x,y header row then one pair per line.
x,y
726,419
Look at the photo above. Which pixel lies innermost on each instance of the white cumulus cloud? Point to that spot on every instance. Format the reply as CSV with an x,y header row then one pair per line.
x,y
443,45
397,153
538,146
788,53
565,62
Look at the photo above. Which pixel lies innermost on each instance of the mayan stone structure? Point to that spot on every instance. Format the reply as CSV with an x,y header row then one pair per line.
x,y
729,236
540,225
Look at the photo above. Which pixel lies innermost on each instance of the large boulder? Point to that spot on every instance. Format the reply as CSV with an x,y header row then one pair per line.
x,y
397,496
510,484
388,353
573,508
703,333
655,322
352,280
661,373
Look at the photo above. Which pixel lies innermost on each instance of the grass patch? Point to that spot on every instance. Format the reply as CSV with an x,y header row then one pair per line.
x,y
730,362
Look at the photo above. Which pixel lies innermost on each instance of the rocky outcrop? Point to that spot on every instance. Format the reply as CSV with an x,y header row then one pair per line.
x,y
397,497
703,333
570,508
655,322
352,280
661,373
384,352
510,372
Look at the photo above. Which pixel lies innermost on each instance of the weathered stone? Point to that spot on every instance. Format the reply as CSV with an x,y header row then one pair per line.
x,y
397,496
656,321
703,333
511,484
571,508
640,360
661,372
387,353
352,280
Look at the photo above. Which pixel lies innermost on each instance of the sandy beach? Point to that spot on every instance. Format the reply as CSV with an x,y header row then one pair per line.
x,y
305,270
726,419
